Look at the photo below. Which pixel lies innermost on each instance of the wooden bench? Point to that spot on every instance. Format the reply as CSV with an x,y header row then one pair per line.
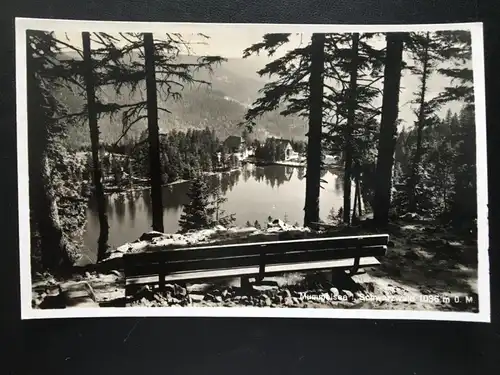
x,y
249,260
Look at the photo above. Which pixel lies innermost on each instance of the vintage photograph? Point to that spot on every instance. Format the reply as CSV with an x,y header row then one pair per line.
x,y
252,170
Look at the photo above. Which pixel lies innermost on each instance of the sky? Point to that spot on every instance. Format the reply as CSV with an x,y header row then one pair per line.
x,y
231,41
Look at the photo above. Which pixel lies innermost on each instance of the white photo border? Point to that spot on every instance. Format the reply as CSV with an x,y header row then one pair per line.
x,y
27,312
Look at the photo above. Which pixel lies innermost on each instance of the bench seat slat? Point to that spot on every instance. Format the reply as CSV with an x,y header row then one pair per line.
x,y
230,261
253,271
247,249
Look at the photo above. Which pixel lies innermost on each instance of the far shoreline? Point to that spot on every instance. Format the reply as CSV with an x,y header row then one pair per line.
x,y
110,190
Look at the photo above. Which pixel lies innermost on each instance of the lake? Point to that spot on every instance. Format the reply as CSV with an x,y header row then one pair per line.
x,y
253,193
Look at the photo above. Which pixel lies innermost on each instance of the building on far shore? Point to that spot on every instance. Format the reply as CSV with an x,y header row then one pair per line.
x,y
290,153
236,145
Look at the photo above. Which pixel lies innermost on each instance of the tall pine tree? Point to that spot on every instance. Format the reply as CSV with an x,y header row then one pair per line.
x,y
425,50
298,89
388,127
157,65
92,113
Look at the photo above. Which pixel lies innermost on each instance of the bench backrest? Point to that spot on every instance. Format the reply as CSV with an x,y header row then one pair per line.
x,y
253,254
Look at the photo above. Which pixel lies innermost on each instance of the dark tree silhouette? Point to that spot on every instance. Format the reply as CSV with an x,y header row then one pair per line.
x,y
153,133
92,113
45,134
354,69
297,90
457,50
351,113
313,174
425,48
388,127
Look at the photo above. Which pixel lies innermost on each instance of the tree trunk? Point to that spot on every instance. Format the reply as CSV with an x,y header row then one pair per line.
x,y
351,117
313,174
414,177
355,205
56,249
102,243
358,190
388,128
153,134
357,193
56,253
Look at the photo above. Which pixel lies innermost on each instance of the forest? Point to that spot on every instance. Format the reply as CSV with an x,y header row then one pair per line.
x,y
341,84
182,156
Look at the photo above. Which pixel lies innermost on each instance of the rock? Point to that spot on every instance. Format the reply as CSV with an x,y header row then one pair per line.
x,y
295,300
87,274
196,297
179,291
173,301
145,290
285,293
348,294
199,288
334,292
264,288
411,255
159,298
267,300
411,216
117,273
218,299
209,297
150,236
288,301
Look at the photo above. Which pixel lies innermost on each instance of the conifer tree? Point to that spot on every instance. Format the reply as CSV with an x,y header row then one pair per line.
x,y
425,50
153,63
46,133
92,113
354,69
195,213
388,127
457,52
297,90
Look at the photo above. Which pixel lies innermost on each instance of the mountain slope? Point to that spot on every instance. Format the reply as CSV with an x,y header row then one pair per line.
x,y
221,107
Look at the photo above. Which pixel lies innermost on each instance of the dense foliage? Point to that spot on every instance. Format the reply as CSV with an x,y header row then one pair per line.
x,y
272,150
204,208
447,188
183,155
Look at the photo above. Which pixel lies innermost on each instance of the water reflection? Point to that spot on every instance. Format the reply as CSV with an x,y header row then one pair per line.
x,y
253,193
119,203
131,205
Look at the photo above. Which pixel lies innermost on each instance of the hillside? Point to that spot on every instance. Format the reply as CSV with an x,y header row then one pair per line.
x,y
221,107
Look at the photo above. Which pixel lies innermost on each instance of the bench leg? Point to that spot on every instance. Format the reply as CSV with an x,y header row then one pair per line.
x,y
129,290
355,267
245,283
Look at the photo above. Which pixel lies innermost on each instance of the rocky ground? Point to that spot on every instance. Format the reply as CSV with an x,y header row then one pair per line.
x,y
426,268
